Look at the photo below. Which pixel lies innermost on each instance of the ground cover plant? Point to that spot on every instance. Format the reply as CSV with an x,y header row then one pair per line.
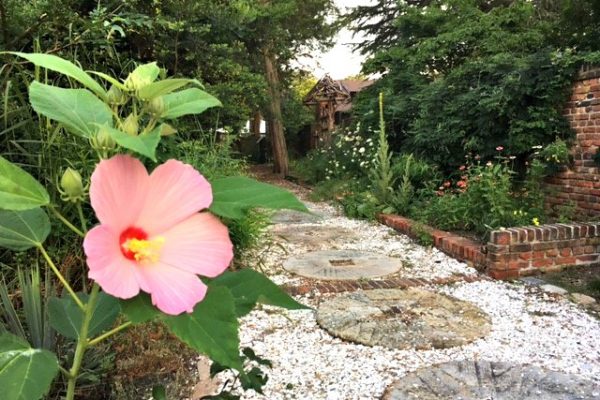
x,y
156,232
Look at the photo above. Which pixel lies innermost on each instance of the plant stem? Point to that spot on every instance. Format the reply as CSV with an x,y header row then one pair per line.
x,y
65,221
60,277
100,338
81,217
66,373
82,342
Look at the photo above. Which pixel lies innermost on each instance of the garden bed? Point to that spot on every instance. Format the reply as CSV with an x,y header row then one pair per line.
x,y
514,252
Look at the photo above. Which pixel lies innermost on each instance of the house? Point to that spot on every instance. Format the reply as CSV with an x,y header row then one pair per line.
x,y
332,103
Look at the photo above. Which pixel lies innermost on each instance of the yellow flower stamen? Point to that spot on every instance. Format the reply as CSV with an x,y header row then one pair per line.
x,y
145,251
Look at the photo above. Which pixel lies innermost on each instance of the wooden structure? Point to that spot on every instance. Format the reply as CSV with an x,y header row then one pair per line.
x,y
332,102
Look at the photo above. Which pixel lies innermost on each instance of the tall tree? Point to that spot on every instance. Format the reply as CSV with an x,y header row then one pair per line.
x,y
278,32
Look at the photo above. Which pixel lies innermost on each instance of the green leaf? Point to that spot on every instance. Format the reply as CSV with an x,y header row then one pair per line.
x,y
25,373
18,189
249,287
77,109
66,317
188,101
64,67
142,144
212,328
233,196
142,76
22,230
164,86
159,393
139,309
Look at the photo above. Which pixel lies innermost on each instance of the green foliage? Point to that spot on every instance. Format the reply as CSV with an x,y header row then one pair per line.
x,y
66,316
212,328
250,287
34,296
247,232
78,110
22,230
555,155
213,158
25,373
233,196
470,75
18,189
382,177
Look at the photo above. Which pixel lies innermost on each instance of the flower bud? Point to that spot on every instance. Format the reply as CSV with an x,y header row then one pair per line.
x,y
103,141
115,96
156,107
72,186
131,125
166,130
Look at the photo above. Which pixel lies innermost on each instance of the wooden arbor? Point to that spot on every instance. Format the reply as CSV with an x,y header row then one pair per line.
x,y
332,102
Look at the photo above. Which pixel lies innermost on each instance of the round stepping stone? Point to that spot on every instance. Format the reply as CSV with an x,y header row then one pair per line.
x,y
403,318
342,264
294,217
475,380
313,236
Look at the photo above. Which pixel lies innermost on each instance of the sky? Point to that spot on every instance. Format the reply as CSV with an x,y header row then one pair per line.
x,y
340,62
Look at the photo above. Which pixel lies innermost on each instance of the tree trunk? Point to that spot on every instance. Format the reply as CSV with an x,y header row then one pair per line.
x,y
278,145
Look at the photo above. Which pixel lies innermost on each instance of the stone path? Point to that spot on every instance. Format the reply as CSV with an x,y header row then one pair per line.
x,y
403,318
476,380
446,312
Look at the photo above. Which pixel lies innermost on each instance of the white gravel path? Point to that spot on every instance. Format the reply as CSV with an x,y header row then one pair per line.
x,y
528,326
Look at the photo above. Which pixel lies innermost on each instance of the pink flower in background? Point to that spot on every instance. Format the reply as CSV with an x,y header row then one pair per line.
x,y
499,148
151,236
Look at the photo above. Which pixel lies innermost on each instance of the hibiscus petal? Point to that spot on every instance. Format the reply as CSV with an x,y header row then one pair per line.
x,y
119,187
199,245
172,290
115,274
176,191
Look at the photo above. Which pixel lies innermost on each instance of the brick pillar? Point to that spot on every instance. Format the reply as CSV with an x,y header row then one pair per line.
x,y
580,184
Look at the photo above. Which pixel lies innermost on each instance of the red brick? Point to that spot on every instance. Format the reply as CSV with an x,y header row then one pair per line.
x,y
552,253
565,252
566,261
504,275
500,237
546,262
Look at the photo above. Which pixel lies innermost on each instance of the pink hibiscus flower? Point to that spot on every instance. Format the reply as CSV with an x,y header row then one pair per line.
x,y
151,236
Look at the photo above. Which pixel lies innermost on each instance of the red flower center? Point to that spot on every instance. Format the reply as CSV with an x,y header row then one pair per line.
x,y
128,234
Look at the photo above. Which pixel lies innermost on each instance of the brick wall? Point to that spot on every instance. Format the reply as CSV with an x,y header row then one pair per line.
x,y
580,184
530,250
515,252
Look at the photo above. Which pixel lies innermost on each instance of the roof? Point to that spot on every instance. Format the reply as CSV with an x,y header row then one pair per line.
x,y
340,90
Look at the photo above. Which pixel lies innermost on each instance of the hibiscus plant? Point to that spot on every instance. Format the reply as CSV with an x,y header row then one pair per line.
x,y
159,250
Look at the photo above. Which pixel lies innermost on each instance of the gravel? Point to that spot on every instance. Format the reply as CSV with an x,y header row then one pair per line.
x,y
528,326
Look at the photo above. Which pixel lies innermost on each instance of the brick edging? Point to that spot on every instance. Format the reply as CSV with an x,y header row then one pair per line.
x,y
339,286
456,246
